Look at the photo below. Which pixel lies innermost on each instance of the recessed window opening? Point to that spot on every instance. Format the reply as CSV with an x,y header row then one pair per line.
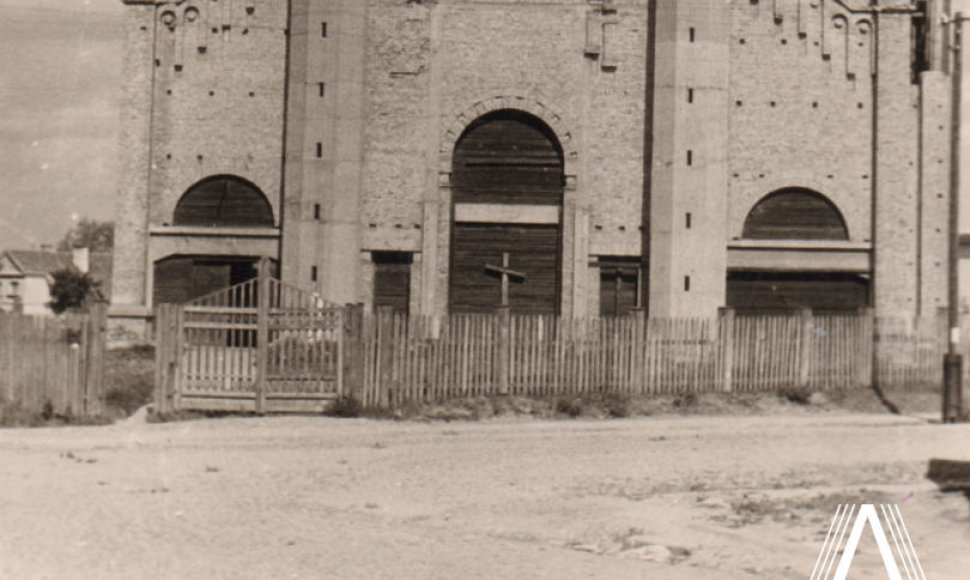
x,y
690,95
690,157
313,274
691,33
686,283
316,211
687,219
319,150
323,29
323,88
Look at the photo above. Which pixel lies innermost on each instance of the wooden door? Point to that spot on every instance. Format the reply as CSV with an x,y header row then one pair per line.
x,y
533,251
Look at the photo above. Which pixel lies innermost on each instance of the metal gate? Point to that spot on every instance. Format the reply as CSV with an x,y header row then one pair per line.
x,y
261,346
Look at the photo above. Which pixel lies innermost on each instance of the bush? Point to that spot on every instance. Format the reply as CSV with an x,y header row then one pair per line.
x,y
797,395
345,407
572,407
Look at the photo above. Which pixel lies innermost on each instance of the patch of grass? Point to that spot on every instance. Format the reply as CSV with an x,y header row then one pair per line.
x,y
757,508
129,377
13,414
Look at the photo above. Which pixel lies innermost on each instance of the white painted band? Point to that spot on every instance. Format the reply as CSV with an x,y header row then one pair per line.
x,y
507,214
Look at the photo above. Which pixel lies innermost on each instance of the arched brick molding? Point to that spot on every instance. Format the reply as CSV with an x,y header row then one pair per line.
x,y
543,111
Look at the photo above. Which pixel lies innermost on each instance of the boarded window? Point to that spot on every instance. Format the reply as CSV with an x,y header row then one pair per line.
x,y
392,280
618,285
224,201
508,157
795,214
787,291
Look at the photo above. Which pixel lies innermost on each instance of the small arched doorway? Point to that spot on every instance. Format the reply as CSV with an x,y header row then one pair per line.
x,y
803,230
507,188
222,202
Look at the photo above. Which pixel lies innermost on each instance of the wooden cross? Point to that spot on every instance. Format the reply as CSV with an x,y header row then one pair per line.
x,y
505,272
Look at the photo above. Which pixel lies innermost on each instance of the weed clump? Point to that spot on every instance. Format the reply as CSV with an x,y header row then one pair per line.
x,y
345,407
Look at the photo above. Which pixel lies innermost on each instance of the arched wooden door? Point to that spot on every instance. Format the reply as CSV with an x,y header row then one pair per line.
x,y
507,189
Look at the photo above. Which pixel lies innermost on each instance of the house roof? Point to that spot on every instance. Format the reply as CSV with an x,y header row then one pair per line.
x,y
39,262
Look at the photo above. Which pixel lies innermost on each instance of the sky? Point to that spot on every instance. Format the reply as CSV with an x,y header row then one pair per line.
x,y
60,94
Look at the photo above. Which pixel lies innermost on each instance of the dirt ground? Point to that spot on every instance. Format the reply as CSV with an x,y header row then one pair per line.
x,y
667,498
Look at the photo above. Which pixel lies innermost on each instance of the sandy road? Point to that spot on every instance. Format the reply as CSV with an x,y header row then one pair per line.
x,y
666,498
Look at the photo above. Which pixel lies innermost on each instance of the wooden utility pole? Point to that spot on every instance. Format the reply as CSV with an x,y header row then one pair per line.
x,y
953,360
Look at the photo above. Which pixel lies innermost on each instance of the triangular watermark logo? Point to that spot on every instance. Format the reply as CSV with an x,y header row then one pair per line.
x,y
896,549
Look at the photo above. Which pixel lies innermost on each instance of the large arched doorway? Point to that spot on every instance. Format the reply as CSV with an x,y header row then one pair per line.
x,y
507,188
221,202
801,229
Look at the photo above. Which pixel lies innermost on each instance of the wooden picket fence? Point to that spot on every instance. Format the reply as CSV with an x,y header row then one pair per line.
x,y
53,364
426,359
265,347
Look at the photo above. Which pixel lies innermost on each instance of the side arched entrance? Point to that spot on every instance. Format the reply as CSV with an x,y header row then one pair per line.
x,y
796,253
218,229
506,235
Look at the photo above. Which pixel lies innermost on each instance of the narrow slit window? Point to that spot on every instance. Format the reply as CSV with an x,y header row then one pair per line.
x,y
690,157
323,88
313,274
686,283
690,95
687,219
316,211
323,30
319,150
691,33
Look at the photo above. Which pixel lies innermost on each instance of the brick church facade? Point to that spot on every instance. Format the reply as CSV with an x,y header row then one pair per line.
x,y
594,157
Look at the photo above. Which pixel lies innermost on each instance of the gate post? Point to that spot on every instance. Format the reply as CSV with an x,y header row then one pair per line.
x,y
726,333
353,360
262,333
385,354
805,350
504,349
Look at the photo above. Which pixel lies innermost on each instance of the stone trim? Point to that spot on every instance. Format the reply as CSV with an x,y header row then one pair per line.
x,y
543,111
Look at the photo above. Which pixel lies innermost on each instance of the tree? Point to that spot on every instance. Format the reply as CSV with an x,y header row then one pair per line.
x,y
92,234
73,290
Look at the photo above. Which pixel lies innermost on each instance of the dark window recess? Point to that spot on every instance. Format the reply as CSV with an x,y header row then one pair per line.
x,y
323,88
319,150
686,283
316,211
919,59
223,201
313,273
618,285
687,220
392,280
795,214
690,95
690,157
691,33
781,292
180,279
323,29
